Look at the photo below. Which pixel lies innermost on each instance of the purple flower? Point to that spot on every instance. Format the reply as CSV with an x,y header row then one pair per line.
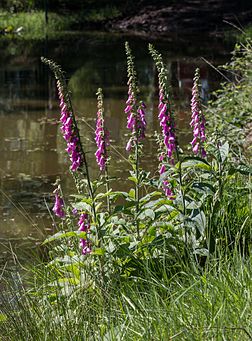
x,y
198,120
134,109
69,132
74,211
136,121
168,127
168,143
101,135
165,184
58,207
169,139
84,226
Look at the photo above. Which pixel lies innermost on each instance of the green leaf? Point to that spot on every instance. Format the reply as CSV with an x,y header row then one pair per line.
x,y
147,197
62,234
83,206
133,178
242,169
224,150
152,231
148,213
83,199
203,187
3,318
112,195
201,252
97,207
132,193
124,208
195,162
199,218
98,252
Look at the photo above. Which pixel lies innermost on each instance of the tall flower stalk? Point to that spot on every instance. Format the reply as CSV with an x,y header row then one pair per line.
x,y
136,123
167,123
102,141
198,120
69,126
135,109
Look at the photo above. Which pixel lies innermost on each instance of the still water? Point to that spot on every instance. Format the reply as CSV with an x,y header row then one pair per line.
x,y
31,146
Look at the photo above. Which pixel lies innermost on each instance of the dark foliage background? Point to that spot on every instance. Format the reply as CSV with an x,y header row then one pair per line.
x,y
124,6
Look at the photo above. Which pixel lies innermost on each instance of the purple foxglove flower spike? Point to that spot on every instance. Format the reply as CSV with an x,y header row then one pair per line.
x,y
198,119
84,226
69,133
168,145
135,110
168,134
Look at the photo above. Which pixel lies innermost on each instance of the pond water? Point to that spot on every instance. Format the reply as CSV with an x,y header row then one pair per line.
x,y
31,146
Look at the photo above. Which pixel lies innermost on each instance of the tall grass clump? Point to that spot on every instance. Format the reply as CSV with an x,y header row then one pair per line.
x,y
170,258
32,25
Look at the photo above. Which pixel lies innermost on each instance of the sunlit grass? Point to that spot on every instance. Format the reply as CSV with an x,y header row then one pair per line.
x,y
192,305
33,24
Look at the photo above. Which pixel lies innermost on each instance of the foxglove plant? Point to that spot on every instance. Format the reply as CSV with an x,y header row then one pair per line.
x,y
101,134
84,226
198,120
167,122
71,134
135,110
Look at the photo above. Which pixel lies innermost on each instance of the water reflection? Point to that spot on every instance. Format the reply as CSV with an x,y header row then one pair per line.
x,y
32,149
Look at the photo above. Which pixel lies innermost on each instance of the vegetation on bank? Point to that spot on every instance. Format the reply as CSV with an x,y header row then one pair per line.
x,y
168,259
33,25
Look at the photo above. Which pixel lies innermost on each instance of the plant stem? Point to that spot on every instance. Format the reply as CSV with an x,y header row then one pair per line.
x,y
107,188
137,187
182,195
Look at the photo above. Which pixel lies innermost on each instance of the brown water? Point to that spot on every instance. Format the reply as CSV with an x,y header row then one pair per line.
x,y
31,146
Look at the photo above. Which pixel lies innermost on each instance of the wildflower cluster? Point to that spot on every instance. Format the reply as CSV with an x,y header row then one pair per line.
x,y
136,121
84,226
101,134
198,119
69,132
167,122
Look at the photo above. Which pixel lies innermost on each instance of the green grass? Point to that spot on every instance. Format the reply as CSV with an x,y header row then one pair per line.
x,y
212,304
34,26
